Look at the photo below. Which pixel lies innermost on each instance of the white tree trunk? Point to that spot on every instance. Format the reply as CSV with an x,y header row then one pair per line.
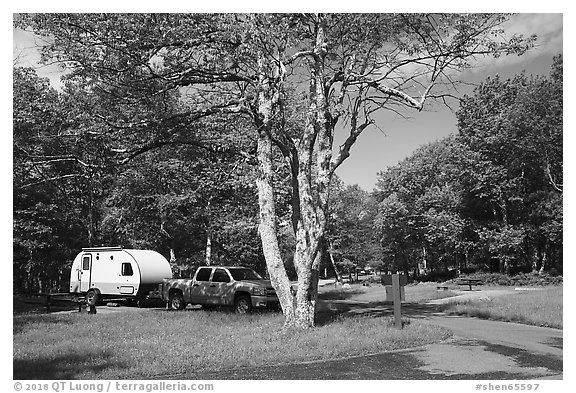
x,y
309,186
544,257
268,229
208,256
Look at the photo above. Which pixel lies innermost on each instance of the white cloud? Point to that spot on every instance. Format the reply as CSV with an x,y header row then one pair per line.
x,y
548,27
549,30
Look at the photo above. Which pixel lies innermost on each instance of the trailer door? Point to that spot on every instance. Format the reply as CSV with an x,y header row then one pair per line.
x,y
85,275
128,279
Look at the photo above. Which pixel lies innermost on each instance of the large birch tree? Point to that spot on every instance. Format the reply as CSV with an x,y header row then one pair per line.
x,y
298,78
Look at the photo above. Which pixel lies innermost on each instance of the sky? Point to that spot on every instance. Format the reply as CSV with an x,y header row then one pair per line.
x,y
395,138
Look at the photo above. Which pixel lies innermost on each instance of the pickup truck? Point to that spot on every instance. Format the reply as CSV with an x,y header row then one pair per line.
x,y
213,286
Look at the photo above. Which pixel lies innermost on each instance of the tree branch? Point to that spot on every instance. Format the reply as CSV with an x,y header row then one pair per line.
x,y
345,148
51,179
556,186
233,106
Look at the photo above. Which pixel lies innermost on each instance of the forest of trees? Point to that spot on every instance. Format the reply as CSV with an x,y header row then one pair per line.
x,y
488,199
210,138
195,206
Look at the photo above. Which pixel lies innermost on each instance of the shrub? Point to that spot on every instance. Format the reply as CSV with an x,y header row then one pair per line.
x,y
524,279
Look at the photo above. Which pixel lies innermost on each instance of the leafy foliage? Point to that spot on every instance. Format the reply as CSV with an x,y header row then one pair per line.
x,y
351,236
167,199
489,198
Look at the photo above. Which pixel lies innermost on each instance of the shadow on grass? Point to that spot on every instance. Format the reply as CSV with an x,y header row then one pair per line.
x,y
22,304
556,342
339,294
70,366
19,322
526,358
331,311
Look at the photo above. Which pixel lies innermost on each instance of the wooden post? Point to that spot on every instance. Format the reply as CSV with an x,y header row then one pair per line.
x,y
397,301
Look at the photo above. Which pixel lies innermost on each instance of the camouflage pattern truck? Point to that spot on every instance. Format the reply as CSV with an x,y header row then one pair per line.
x,y
212,286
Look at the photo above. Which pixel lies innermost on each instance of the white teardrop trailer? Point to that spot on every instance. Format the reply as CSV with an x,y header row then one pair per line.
x,y
115,273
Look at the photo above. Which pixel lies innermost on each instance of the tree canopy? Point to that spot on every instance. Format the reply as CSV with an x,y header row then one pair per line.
x,y
490,197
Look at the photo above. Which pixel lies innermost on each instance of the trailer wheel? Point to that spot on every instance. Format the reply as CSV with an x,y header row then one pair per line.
x,y
92,298
177,301
242,304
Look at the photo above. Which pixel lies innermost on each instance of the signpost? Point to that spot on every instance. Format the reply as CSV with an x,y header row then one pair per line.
x,y
387,279
395,282
397,301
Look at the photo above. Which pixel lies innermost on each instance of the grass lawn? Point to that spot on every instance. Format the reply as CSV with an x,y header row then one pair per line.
x,y
541,307
156,343
425,292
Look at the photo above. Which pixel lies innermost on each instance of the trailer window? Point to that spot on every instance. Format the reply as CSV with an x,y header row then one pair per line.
x,y
127,269
220,275
86,263
203,274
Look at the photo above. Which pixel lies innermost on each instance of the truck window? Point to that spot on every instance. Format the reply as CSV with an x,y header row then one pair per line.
x,y
127,269
240,274
220,275
86,263
203,274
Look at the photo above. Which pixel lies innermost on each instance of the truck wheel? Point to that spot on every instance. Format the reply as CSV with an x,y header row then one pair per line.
x,y
177,301
92,298
242,304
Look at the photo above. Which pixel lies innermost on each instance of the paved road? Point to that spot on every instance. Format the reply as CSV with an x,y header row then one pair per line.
x,y
532,338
